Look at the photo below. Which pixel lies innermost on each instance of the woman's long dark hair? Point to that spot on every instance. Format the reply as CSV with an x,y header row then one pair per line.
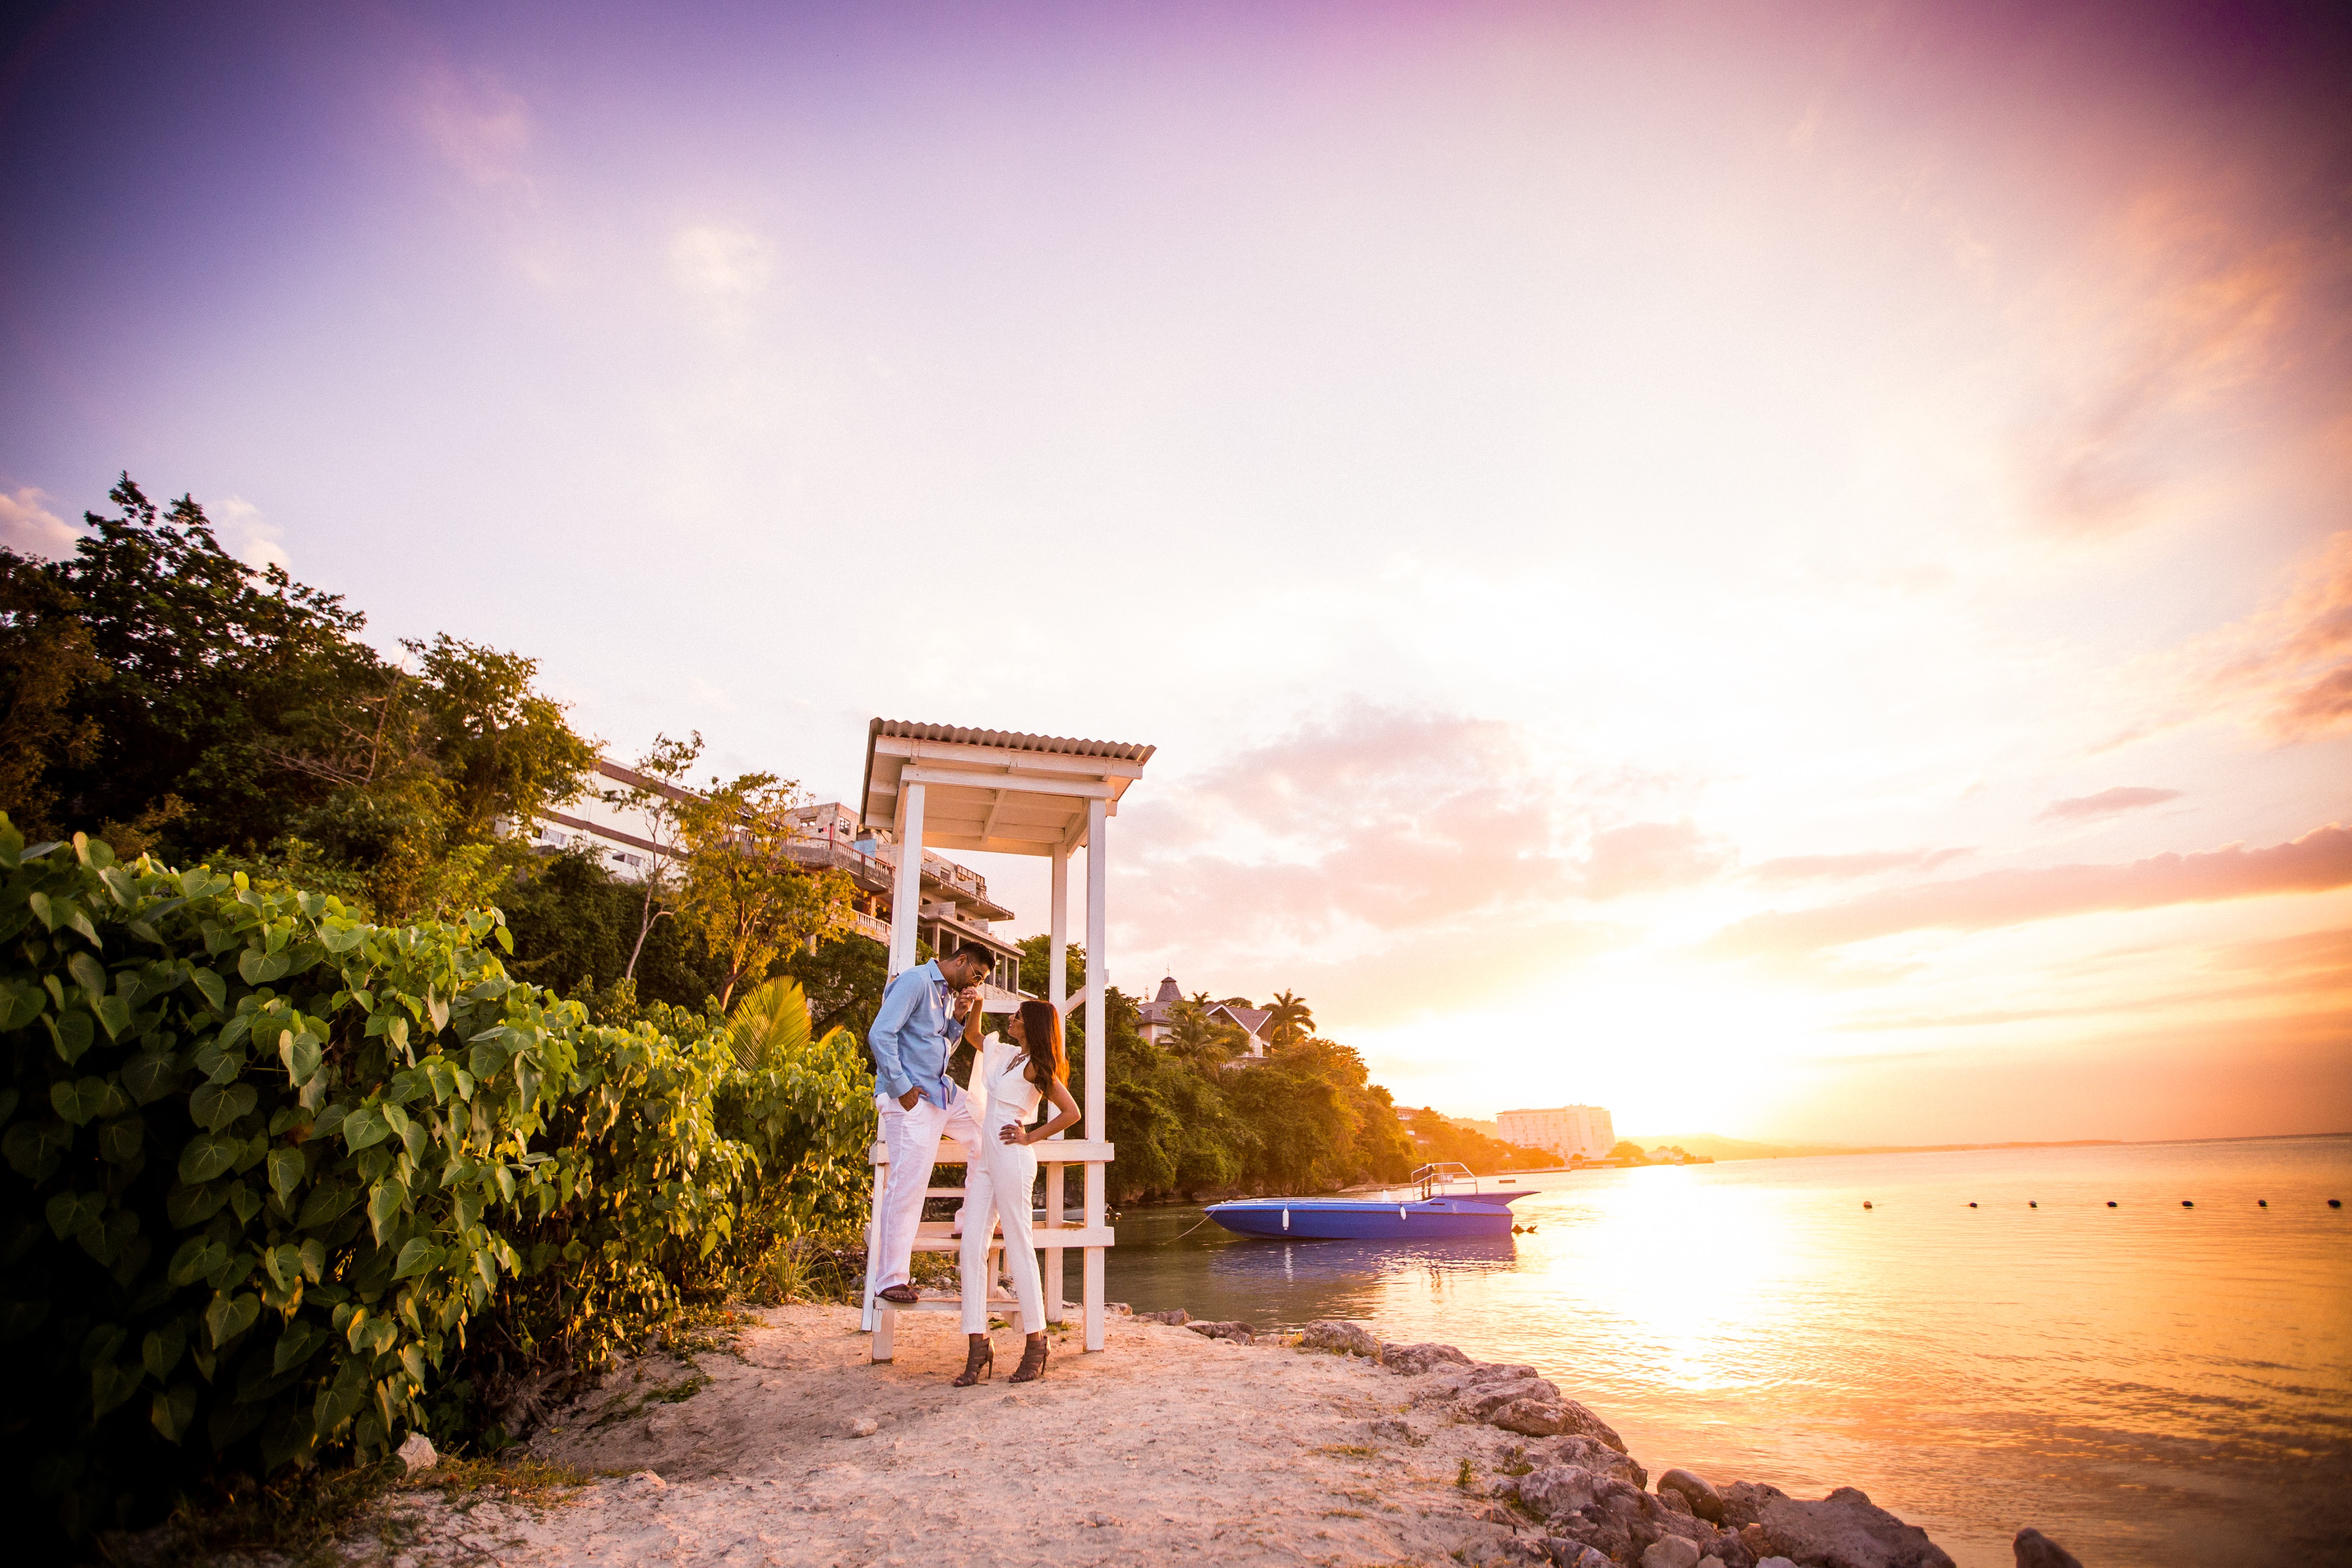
x,y
1041,1027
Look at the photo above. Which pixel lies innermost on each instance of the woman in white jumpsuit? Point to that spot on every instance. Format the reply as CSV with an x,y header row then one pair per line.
x,y
1030,1067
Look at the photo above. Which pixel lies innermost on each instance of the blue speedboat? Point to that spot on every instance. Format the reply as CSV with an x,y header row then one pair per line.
x,y
1434,1208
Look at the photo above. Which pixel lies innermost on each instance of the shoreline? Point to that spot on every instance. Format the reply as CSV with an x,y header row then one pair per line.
x,y
784,1446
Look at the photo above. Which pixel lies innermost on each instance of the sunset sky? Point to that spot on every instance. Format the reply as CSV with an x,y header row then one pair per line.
x,y
1782,569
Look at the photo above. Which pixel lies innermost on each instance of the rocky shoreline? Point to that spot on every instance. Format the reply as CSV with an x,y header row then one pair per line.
x,y
1574,1476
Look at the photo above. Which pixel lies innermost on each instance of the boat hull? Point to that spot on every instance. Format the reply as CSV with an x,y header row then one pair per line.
x,y
1340,1219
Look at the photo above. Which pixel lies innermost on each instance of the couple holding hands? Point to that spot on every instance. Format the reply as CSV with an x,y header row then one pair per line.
x,y
926,1014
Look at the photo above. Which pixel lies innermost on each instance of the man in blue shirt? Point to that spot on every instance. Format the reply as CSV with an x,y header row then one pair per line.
x,y
922,1022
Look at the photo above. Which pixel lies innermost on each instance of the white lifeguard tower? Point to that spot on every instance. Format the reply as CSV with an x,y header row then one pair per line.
x,y
1004,793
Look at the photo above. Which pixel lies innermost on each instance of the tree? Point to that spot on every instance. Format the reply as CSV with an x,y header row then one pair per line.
x,y
44,661
1199,1035
751,900
1292,1021
663,768
206,666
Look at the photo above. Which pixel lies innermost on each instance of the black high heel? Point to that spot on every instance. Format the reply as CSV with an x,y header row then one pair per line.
x,y
979,1361
1032,1361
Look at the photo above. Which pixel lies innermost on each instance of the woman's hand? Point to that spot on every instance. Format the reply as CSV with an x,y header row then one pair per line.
x,y
1012,1135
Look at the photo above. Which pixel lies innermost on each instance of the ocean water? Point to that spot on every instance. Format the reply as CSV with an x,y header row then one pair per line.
x,y
2146,1384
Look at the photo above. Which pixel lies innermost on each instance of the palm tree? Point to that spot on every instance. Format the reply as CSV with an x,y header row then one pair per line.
x,y
1292,1018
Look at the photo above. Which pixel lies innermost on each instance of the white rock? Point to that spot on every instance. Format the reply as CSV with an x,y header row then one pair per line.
x,y
647,1481
1777,1562
1670,1551
417,1453
864,1427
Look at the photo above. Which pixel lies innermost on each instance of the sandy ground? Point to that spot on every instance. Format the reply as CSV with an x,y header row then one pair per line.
x,y
1166,1446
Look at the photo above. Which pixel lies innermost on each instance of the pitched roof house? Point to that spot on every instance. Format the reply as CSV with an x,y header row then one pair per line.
x,y
1157,1020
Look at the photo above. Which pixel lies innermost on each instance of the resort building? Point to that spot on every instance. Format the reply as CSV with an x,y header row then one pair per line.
x,y
1157,1020
630,837
1572,1132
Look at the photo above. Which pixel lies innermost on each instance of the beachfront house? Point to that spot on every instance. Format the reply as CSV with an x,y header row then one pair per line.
x,y
1156,1020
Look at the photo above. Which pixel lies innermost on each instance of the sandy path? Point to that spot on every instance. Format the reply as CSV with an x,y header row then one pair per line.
x,y
1167,1447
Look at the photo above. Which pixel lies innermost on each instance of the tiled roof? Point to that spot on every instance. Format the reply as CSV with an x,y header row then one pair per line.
x,y
1010,740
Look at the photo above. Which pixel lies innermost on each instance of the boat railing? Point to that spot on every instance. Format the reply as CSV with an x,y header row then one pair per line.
x,y
1432,1179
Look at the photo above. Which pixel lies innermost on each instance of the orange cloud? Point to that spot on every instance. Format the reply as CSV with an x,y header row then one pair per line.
x,y
2321,859
2106,803
1787,871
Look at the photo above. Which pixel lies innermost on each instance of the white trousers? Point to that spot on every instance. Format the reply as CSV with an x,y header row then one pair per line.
x,y
913,1139
1001,1178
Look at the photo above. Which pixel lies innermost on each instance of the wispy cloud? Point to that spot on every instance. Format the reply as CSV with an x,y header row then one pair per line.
x,y
1789,870
247,535
29,528
480,128
2320,859
2106,803
726,263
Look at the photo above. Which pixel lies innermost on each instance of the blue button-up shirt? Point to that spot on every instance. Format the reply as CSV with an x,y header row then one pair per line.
x,y
914,1035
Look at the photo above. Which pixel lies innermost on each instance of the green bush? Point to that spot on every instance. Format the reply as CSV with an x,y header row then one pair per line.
x,y
269,1166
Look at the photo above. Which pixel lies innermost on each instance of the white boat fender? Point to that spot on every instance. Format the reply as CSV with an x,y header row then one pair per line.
x,y
1285,1219
1400,1211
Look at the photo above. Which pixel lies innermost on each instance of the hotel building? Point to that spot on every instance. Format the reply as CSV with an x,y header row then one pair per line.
x,y
1572,1132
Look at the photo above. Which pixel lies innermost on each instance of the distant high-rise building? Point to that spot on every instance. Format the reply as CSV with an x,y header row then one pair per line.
x,y
1568,1131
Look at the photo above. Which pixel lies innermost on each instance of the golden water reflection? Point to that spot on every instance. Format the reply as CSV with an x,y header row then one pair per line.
x,y
2148,1382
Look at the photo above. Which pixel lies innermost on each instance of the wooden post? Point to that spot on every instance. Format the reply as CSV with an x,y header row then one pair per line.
x,y
1057,991
1097,1055
905,900
907,894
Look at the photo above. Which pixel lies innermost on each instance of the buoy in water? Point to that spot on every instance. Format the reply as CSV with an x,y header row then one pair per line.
x,y
1866,1203
1972,1205
2030,1204
2185,1203
2111,1203
2262,1203
2334,1203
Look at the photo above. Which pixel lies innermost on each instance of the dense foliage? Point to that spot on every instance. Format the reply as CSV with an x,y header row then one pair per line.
x,y
279,1180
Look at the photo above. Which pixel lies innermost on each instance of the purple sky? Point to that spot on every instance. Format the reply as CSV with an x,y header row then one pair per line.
x,y
1778,568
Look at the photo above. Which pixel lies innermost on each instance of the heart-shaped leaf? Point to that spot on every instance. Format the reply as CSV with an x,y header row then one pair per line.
x,y
243,1202
43,910
486,1057
230,1316
415,1258
211,987
297,1345
79,1100
301,1055
118,1140
33,1148
77,920
72,1213
388,1199
88,974
259,967
326,1205
114,1012
364,1128
149,1076
112,1383
216,1105
314,1260
206,1155
173,1410
437,1009
73,1033
197,1257
286,1168
160,1350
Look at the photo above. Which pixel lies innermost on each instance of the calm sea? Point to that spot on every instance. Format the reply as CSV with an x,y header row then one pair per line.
x,y
2149,1384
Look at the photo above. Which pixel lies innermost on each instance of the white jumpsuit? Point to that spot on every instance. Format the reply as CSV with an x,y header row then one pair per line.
x,y
1002,1178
